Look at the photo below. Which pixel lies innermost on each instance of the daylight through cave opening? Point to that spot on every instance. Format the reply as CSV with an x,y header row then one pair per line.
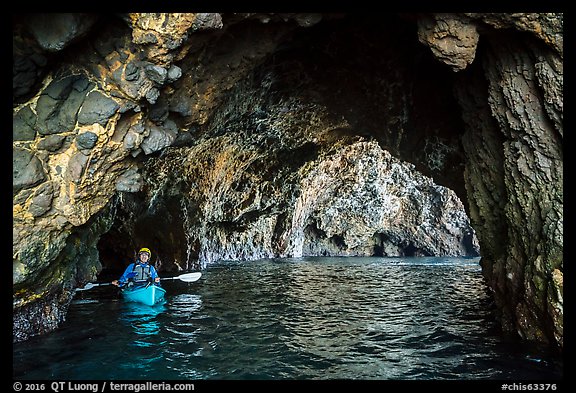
x,y
297,161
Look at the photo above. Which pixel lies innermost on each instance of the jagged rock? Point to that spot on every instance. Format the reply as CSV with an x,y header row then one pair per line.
x,y
376,205
131,132
41,200
159,112
59,103
23,125
160,137
56,31
27,170
86,140
174,73
206,21
156,73
357,201
152,95
453,39
531,152
76,166
547,27
97,108
51,142
129,181
131,72
26,71
167,32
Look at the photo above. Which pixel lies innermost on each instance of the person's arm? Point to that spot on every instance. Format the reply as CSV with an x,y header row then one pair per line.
x,y
154,274
124,277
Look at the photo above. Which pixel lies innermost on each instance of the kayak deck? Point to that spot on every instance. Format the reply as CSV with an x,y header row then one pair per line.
x,y
149,294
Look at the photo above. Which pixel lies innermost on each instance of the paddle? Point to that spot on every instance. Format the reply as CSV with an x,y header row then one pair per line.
x,y
91,285
188,277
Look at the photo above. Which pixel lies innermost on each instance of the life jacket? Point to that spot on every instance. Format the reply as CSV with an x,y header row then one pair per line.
x,y
142,272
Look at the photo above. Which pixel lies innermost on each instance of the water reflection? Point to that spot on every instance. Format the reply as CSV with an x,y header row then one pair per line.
x,y
301,318
144,320
185,303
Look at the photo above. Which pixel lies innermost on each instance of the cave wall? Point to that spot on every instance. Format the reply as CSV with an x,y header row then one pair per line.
x,y
249,194
515,175
117,117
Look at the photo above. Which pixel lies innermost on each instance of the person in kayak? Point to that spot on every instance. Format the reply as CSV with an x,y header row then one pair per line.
x,y
139,272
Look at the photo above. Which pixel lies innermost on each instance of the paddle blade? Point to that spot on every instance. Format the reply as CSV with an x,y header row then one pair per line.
x,y
190,277
86,287
91,285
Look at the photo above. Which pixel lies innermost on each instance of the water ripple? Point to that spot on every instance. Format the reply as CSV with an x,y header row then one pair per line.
x,y
299,318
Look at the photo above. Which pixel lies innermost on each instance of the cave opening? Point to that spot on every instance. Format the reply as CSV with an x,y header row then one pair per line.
x,y
343,81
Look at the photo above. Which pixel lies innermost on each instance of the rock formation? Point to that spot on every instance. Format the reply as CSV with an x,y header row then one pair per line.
x,y
241,136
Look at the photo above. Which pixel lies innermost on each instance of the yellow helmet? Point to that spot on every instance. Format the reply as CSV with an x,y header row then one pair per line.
x,y
144,249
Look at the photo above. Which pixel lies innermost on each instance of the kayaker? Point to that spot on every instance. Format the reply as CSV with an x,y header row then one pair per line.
x,y
140,271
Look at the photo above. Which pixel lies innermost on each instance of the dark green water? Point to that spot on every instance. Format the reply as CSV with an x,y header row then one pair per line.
x,y
308,318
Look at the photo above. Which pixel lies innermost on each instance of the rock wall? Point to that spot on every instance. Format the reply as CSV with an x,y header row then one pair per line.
x,y
228,199
515,175
253,135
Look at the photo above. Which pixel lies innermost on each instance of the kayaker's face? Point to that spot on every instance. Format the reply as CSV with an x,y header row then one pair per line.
x,y
144,257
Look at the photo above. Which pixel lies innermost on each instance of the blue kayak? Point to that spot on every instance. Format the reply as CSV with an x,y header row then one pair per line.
x,y
149,294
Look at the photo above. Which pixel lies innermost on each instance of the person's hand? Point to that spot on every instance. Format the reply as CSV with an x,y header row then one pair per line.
x,y
115,282
157,279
